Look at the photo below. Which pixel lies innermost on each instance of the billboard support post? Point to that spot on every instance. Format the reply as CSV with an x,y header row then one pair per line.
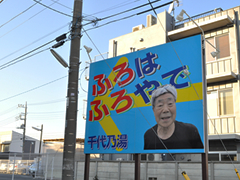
x,y
86,166
137,166
205,166
205,154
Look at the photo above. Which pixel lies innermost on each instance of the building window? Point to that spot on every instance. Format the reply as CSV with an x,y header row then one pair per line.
x,y
220,102
152,178
221,43
114,48
5,148
143,157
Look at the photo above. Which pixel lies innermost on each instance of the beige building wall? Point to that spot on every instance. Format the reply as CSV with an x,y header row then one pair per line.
x,y
143,38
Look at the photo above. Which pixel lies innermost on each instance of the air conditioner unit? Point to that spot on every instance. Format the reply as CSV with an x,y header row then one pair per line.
x,y
136,28
150,157
151,20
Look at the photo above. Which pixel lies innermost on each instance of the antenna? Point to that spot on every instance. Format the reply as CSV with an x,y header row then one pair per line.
x,y
175,3
171,7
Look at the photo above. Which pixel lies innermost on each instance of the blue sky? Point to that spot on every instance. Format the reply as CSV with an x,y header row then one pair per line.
x,y
37,26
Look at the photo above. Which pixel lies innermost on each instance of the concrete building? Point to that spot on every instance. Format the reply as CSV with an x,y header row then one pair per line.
x,y
11,142
221,28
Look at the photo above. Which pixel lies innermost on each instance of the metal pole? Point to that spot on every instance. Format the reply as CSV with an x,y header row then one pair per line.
x,y
86,168
137,166
40,145
205,154
52,168
13,166
46,169
24,128
68,167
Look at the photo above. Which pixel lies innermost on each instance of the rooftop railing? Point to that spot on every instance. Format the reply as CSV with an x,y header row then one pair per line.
x,y
179,24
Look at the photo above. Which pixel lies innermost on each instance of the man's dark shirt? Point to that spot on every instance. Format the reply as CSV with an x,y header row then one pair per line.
x,y
185,136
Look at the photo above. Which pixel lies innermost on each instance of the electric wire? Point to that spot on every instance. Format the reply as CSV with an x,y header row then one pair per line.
x,y
114,7
25,21
194,89
34,42
126,17
17,15
52,8
33,89
87,30
10,64
110,22
8,119
62,5
128,10
47,102
8,110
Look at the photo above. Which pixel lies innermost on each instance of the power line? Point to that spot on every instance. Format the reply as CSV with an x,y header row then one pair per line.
x,y
62,5
47,102
36,88
33,89
114,7
90,29
14,62
126,17
8,110
56,112
130,10
25,21
33,42
52,8
17,15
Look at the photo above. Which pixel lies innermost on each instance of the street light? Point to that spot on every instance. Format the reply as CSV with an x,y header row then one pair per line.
x,y
180,18
37,129
88,49
59,58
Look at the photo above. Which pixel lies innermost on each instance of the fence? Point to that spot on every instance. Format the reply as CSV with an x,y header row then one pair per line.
x,y
50,168
124,170
44,166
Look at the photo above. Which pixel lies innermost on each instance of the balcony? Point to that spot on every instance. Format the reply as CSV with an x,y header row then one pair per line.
x,y
207,21
222,125
220,70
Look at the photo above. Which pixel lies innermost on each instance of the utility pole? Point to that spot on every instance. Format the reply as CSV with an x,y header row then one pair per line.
x,y
72,95
24,127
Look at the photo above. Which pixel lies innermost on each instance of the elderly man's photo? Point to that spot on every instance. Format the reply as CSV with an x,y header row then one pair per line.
x,y
169,133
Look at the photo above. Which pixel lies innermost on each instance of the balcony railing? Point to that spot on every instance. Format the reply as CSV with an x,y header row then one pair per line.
x,y
223,125
180,24
219,66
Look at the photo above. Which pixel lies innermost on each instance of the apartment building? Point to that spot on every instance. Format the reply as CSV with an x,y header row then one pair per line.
x,y
221,28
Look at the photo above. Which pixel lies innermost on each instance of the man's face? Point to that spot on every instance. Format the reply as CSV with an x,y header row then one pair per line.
x,y
165,110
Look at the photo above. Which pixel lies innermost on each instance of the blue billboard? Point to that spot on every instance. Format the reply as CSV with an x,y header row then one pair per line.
x,y
148,101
